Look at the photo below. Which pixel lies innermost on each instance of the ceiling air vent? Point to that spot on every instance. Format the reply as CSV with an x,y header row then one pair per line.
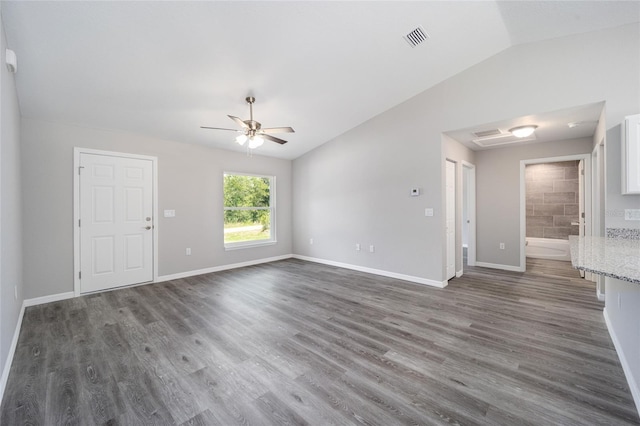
x,y
416,37
486,133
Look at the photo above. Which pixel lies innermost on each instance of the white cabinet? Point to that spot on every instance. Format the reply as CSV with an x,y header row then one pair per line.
x,y
631,155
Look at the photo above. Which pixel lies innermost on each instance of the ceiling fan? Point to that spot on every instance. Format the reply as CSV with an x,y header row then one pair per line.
x,y
252,131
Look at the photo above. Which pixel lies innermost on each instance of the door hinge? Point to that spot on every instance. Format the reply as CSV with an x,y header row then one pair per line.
x,y
582,172
582,215
79,275
79,223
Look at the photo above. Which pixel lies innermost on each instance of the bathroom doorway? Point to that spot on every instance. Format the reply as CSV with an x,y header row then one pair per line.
x,y
555,203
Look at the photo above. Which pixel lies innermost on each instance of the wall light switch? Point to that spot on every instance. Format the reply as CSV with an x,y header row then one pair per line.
x,y
631,214
169,213
357,247
428,212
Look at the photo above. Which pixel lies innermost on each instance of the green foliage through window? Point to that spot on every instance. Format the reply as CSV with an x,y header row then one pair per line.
x,y
247,208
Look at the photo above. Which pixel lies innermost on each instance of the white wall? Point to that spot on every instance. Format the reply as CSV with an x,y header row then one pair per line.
x,y
189,181
354,188
10,206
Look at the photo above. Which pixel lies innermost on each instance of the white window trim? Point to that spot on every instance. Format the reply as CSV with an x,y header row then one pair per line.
x,y
272,207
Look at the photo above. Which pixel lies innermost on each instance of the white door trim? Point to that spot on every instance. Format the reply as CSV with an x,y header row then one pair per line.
x,y
597,207
76,208
448,248
523,202
471,211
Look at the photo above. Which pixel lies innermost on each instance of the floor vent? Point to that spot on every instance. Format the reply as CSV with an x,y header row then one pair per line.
x,y
416,37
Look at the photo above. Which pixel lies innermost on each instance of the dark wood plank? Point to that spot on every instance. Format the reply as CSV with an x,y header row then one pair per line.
x,y
293,342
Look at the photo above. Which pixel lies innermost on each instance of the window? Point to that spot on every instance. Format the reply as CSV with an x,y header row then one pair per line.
x,y
249,210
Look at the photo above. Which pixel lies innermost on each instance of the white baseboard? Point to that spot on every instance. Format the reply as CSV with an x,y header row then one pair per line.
x,y
633,385
12,351
410,278
459,273
498,266
186,274
600,295
48,299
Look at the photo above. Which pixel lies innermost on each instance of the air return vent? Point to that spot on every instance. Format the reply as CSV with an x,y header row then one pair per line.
x,y
487,133
416,37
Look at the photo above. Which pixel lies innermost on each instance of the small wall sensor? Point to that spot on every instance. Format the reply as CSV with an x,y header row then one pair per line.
x,y
415,192
11,60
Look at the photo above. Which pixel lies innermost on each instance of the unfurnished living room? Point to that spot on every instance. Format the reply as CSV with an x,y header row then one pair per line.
x,y
320,212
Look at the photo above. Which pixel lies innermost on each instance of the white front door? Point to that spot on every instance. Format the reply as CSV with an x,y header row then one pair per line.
x,y
116,222
451,219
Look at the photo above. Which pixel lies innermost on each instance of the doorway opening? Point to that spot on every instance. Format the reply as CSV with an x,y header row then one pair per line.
x,y
555,202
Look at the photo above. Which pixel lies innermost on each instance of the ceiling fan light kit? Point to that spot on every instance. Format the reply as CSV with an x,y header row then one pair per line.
x,y
252,130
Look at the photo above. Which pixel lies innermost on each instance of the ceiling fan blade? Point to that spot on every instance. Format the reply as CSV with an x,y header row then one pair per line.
x,y
239,121
273,139
220,128
277,130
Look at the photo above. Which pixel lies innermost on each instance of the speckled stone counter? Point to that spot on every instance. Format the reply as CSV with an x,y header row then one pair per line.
x,y
613,257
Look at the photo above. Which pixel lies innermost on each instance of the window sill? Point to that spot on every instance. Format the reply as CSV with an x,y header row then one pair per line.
x,y
251,244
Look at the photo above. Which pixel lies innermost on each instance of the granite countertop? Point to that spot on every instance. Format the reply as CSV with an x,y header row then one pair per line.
x,y
613,257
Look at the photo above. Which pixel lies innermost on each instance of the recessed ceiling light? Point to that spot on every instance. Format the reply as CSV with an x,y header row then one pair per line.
x,y
523,131
574,124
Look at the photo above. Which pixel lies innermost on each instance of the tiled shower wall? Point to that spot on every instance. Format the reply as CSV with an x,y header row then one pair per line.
x,y
552,199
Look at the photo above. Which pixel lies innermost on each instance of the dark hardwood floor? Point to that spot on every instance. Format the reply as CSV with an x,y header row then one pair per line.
x,y
294,342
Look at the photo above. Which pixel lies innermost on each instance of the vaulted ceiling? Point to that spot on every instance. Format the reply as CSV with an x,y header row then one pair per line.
x,y
164,69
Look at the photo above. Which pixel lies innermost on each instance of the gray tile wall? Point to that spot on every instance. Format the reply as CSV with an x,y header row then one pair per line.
x,y
552,199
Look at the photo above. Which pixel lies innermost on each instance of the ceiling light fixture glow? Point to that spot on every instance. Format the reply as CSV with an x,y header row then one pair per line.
x,y
255,142
523,131
241,139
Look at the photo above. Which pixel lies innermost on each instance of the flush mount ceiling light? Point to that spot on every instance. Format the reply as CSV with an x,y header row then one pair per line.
x,y
523,131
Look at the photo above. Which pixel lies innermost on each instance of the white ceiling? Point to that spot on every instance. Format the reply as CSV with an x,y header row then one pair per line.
x,y
165,68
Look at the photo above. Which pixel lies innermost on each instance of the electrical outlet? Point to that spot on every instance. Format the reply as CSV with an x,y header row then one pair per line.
x,y
188,251
501,246
310,241
372,249
357,247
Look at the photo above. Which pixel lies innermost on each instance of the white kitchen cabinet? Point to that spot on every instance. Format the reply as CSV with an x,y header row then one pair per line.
x,y
631,155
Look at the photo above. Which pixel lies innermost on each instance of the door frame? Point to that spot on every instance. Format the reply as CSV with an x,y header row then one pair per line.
x,y
470,203
523,201
597,206
76,207
455,217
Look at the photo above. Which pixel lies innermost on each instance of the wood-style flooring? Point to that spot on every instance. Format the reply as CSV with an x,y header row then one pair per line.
x,y
293,342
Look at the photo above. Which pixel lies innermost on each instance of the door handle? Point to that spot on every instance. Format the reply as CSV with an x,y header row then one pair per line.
x,y
147,227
